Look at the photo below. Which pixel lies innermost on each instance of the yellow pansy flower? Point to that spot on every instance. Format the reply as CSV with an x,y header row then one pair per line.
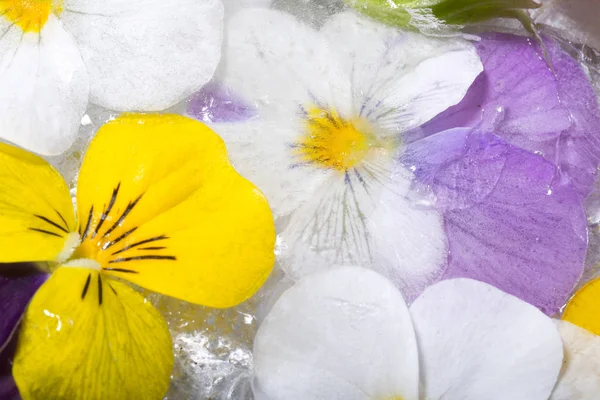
x,y
159,205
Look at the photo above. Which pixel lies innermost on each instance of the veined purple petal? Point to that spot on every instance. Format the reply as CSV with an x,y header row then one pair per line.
x,y
15,294
520,98
218,103
510,218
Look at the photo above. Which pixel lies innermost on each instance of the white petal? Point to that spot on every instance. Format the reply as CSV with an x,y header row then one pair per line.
x,y
401,79
329,229
146,55
260,151
342,334
44,87
233,6
476,342
364,223
579,378
281,65
409,240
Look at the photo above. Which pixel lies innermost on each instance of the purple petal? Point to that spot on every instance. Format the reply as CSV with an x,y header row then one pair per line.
x,y
510,219
519,98
217,103
8,387
15,294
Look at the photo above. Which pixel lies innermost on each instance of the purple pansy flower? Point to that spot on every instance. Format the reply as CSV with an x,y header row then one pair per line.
x,y
549,111
510,218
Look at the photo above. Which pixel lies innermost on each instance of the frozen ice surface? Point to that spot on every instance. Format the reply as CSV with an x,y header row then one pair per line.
x,y
313,12
68,163
213,347
577,19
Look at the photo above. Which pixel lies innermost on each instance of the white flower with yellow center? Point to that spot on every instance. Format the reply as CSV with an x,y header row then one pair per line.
x,y
143,55
331,108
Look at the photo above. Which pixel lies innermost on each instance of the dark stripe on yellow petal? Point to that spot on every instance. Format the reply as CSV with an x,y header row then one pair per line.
x,y
88,224
126,259
99,290
86,286
46,232
125,271
117,240
154,239
112,288
106,213
62,219
54,224
130,207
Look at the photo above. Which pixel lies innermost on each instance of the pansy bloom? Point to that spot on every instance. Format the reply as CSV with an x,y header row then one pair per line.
x,y
322,123
347,334
338,154
511,218
174,218
127,56
550,110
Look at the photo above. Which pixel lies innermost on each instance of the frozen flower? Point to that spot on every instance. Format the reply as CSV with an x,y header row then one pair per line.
x,y
348,334
549,110
511,219
322,149
172,217
326,109
123,55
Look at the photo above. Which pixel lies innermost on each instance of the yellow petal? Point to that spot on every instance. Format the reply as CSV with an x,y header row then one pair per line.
x,y
36,211
169,212
584,307
88,337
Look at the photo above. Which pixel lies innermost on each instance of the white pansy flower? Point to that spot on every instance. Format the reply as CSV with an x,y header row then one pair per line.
x,y
124,55
332,105
347,334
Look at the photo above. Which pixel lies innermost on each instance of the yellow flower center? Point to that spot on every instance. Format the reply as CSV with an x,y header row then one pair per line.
x,y
30,15
333,142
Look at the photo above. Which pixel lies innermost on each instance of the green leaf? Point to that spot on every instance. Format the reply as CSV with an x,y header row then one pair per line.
x,y
384,11
451,12
463,12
